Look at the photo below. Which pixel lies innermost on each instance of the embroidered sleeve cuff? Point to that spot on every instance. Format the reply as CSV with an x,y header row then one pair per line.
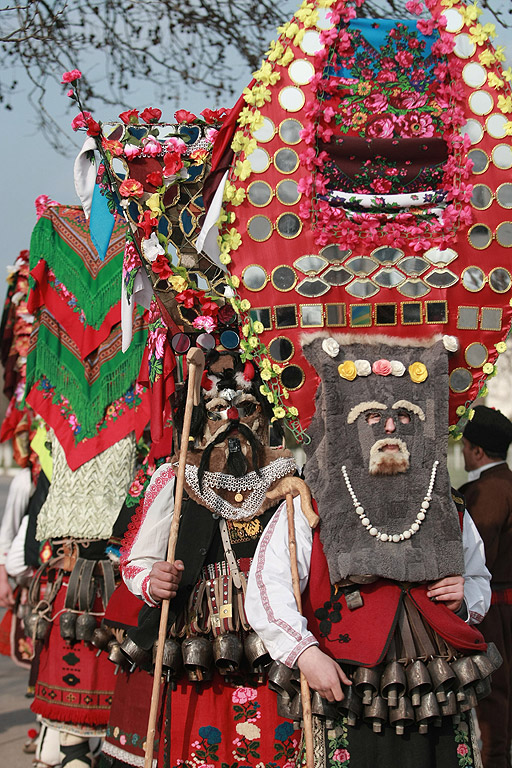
x,y
147,595
291,660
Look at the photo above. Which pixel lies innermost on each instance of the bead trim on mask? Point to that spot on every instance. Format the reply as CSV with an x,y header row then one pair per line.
x,y
392,537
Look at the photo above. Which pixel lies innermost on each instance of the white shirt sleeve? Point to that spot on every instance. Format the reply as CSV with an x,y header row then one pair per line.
x,y
15,562
15,507
477,579
270,604
149,543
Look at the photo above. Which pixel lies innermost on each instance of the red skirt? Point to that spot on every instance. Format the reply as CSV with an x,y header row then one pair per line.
x,y
73,684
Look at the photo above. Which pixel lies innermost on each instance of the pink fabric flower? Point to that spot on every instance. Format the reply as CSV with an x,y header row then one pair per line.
x,y
81,120
341,755
462,749
404,58
204,323
382,367
151,147
243,695
416,124
376,102
175,145
382,186
414,6
380,128
69,77
131,151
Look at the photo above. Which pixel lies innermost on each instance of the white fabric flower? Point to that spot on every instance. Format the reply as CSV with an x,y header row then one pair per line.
x,y
330,346
451,343
397,368
363,367
151,247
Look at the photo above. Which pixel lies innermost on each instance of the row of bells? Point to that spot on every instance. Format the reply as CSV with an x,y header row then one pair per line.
x,y
418,693
197,657
73,626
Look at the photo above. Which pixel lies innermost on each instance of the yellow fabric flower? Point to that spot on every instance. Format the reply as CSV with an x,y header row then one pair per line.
x,y
325,3
286,58
265,375
505,103
277,368
234,304
347,370
299,37
245,305
478,34
501,347
263,389
258,327
178,283
246,329
275,51
495,81
293,411
484,391
486,58
461,410
508,128
242,169
291,30
500,52
225,258
507,74
418,372
235,281
471,13
471,414
253,341
307,14
285,393
232,238
266,74
279,412
265,363
488,368
153,203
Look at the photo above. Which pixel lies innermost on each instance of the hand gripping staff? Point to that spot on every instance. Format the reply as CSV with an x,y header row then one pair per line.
x,y
195,366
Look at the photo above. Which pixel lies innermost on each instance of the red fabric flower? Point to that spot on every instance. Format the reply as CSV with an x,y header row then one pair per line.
x,y
151,115
155,179
80,121
131,188
187,298
161,267
93,128
172,163
130,117
113,146
209,307
147,223
212,116
184,116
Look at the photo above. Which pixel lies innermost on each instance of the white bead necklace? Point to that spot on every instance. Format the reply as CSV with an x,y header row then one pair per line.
x,y
392,537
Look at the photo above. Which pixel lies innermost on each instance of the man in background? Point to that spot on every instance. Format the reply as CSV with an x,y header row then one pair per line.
x,y
488,495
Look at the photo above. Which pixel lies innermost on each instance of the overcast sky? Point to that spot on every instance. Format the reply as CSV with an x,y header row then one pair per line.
x,y
32,167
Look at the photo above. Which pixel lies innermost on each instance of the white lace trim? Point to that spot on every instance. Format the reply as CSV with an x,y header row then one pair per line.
x,y
125,757
251,481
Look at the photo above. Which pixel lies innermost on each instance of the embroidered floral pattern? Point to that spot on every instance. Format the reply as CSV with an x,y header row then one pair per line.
x,y
337,744
68,297
330,614
464,751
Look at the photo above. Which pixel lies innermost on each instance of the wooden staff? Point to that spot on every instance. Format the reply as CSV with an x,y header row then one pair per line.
x,y
195,366
304,685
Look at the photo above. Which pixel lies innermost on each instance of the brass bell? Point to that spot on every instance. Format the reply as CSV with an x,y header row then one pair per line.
x,y
279,679
255,652
67,623
428,712
100,637
367,682
418,681
442,676
376,713
137,656
227,653
467,674
393,683
197,657
85,626
402,715
172,659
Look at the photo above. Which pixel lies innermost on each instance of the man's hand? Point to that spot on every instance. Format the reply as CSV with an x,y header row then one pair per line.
x,y
6,594
449,591
164,579
322,673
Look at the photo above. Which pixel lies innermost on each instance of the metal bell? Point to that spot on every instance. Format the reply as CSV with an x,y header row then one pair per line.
x,y
428,712
376,713
67,623
115,654
449,707
483,664
279,679
36,626
296,708
284,704
197,657
483,687
393,683
172,660
442,676
256,653
402,715
323,708
351,704
100,637
137,656
85,626
367,682
418,681
494,655
470,699
227,653
467,674
30,623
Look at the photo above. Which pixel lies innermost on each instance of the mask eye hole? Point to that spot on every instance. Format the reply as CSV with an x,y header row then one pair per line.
x,y
373,417
404,417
